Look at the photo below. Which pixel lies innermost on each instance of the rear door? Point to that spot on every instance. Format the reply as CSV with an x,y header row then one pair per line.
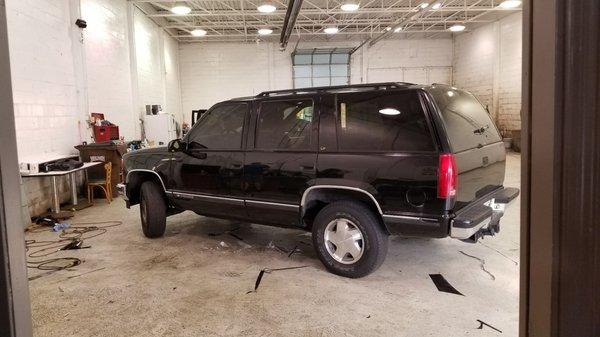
x,y
380,141
281,158
474,140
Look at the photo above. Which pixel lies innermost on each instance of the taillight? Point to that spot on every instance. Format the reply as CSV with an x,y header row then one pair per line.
x,y
447,176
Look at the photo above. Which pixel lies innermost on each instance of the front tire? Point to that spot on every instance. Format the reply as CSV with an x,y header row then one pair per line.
x,y
153,210
349,239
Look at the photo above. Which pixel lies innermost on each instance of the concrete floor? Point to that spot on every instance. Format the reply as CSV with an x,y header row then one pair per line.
x,y
195,283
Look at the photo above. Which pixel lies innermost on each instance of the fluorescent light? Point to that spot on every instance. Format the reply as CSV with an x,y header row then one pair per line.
x,y
389,111
181,10
387,29
457,28
266,8
331,30
198,32
424,5
510,4
265,31
397,30
437,5
350,6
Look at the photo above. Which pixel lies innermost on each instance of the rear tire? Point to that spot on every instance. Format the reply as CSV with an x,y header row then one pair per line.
x,y
153,210
349,239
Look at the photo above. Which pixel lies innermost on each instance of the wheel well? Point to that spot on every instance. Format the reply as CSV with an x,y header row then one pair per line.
x,y
135,180
318,198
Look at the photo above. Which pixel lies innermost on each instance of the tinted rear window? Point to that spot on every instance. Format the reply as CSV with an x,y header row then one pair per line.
x,y
382,121
468,123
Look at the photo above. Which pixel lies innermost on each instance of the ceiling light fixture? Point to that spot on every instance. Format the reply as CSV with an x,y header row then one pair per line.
x,y
331,30
350,6
398,29
198,32
265,31
387,29
266,7
437,5
389,111
425,5
457,28
510,4
181,10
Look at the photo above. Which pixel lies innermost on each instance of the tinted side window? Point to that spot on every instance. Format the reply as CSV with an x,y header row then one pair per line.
x,y
285,124
468,123
220,128
382,121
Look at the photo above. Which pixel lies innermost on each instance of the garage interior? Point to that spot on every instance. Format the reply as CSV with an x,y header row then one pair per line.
x,y
185,56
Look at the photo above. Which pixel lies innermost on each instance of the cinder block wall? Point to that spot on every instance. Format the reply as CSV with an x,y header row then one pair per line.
x,y
107,60
118,64
213,72
487,62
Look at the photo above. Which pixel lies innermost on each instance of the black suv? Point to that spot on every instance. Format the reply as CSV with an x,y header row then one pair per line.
x,y
352,164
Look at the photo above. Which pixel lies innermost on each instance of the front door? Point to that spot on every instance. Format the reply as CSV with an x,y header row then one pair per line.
x,y
281,158
207,173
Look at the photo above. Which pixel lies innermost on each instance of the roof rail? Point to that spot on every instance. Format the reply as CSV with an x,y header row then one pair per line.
x,y
376,86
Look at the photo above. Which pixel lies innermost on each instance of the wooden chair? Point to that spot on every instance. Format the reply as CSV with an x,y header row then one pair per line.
x,y
104,184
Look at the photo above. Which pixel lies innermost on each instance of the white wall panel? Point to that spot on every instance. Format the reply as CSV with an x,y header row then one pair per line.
x,y
213,72
107,62
487,62
386,75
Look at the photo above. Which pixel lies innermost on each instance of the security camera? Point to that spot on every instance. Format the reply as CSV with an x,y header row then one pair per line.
x,y
81,23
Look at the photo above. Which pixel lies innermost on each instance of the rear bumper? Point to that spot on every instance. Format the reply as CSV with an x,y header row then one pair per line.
x,y
482,217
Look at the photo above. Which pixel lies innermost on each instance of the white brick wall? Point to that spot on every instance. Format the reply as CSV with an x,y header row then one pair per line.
x,y
509,113
487,62
213,72
413,61
43,79
44,87
474,56
171,74
53,69
218,71
107,62
157,64
150,84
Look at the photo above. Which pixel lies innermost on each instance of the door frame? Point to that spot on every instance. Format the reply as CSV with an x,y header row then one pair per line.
x,y
561,119
15,306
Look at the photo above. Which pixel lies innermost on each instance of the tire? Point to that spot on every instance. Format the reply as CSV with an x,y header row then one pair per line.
x,y
372,245
153,210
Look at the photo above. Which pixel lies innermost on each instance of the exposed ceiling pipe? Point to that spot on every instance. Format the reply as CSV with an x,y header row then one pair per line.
x,y
420,11
288,23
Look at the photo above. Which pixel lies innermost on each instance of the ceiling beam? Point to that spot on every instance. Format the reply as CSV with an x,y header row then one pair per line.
x,y
281,13
289,22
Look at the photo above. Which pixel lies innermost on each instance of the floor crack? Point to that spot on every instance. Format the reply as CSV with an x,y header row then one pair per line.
x,y
499,252
482,263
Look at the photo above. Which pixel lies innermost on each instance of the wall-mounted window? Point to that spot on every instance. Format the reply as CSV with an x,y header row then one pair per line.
x,y
321,67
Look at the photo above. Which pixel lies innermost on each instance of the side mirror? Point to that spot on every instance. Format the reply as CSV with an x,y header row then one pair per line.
x,y
175,145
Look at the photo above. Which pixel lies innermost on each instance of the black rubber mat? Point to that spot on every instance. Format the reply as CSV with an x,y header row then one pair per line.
x,y
443,285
